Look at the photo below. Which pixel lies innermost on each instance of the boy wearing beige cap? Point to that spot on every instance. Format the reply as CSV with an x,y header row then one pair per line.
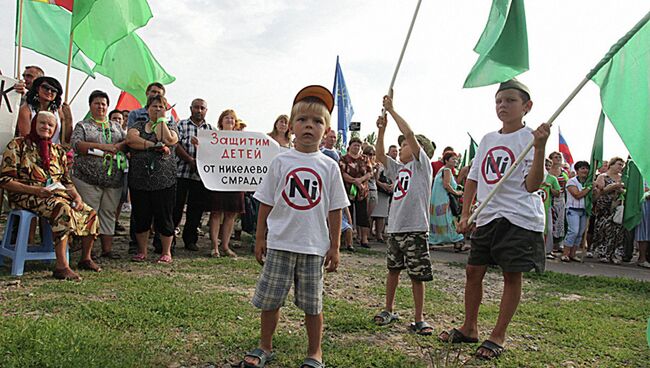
x,y
303,189
510,228
408,221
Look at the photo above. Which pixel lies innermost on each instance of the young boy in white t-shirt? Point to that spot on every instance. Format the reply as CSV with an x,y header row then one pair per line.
x,y
408,218
510,229
301,198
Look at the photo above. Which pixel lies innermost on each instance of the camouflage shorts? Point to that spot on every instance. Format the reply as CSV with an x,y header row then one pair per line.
x,y
410,251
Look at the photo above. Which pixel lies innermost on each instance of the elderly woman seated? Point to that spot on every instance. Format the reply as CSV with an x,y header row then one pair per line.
x,y
35,172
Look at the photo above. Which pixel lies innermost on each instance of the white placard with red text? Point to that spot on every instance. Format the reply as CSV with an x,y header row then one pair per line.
x,y
234,161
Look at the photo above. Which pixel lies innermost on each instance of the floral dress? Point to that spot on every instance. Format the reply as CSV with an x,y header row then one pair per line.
x,y
559,209
608,235
21,162
442,227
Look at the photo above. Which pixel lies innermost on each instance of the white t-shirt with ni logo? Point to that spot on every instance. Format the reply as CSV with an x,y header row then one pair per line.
x,y
495,154
302,188
409,210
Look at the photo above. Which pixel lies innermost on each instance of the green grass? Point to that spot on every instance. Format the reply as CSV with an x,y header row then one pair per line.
x,y
198,312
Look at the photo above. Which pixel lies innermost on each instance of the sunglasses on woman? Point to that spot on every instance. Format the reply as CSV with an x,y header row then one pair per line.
x,y
49,88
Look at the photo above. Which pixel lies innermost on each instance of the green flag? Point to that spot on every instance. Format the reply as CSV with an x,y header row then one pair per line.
x,y
633,195
132,67
596,162
503,46
625,93
465,161
472,147
98,24
46,30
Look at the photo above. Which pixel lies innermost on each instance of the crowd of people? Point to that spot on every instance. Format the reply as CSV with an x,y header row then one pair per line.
x,y
79,176
148,161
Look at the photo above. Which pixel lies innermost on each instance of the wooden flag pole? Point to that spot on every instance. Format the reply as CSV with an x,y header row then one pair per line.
x,y
67,82
613,50
20,38
406,42
401,55
67,73
79,90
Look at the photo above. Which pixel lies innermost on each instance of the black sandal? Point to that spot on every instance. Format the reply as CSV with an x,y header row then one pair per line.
x,y
420,327
312,363
260,354
385,317
492,347
456,336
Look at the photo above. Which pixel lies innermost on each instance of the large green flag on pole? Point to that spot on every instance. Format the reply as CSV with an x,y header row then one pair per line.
x,y
596,162
503,46
98,24
625,94
46,30
633,195
132,67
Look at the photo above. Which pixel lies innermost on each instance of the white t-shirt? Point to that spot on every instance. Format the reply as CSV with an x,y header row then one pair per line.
x,y
495,154
409,210
302,188
571,201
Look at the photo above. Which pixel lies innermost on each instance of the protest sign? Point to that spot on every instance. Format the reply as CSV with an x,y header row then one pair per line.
x,y
9,105
233,161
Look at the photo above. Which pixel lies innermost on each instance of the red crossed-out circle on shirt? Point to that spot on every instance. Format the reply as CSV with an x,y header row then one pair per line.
x,y
402,184
542,194
496,162
303,189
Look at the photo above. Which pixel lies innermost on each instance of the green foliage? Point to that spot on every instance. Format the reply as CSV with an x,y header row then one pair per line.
x,y
371,138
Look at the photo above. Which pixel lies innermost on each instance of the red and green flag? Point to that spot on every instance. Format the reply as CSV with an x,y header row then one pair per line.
x,y
62,3
503,46
46,30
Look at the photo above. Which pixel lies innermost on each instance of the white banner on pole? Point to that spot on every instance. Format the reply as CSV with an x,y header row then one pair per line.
x,y
9,105
233,161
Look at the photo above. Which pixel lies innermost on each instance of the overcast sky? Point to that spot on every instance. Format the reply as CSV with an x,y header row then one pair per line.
x,y
253,56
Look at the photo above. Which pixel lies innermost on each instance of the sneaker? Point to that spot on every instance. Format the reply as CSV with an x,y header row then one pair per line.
x,y
177,231
126,207
550,256
590,255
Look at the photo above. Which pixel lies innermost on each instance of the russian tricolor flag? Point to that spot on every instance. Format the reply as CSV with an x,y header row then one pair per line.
x,y
565,151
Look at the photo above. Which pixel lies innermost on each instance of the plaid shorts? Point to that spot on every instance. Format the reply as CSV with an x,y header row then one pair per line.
x,y
410,251
281,269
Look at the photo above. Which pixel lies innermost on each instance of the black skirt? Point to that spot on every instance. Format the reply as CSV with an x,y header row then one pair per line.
x,y
225,201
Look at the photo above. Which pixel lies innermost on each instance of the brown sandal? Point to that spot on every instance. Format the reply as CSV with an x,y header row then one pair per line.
x,y
65,274
230,253
89,265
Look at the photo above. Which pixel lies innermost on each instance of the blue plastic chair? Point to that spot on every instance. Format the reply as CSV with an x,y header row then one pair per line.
x,y
19,250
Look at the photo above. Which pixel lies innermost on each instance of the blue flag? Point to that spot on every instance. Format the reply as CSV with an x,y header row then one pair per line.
x,y
343,102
